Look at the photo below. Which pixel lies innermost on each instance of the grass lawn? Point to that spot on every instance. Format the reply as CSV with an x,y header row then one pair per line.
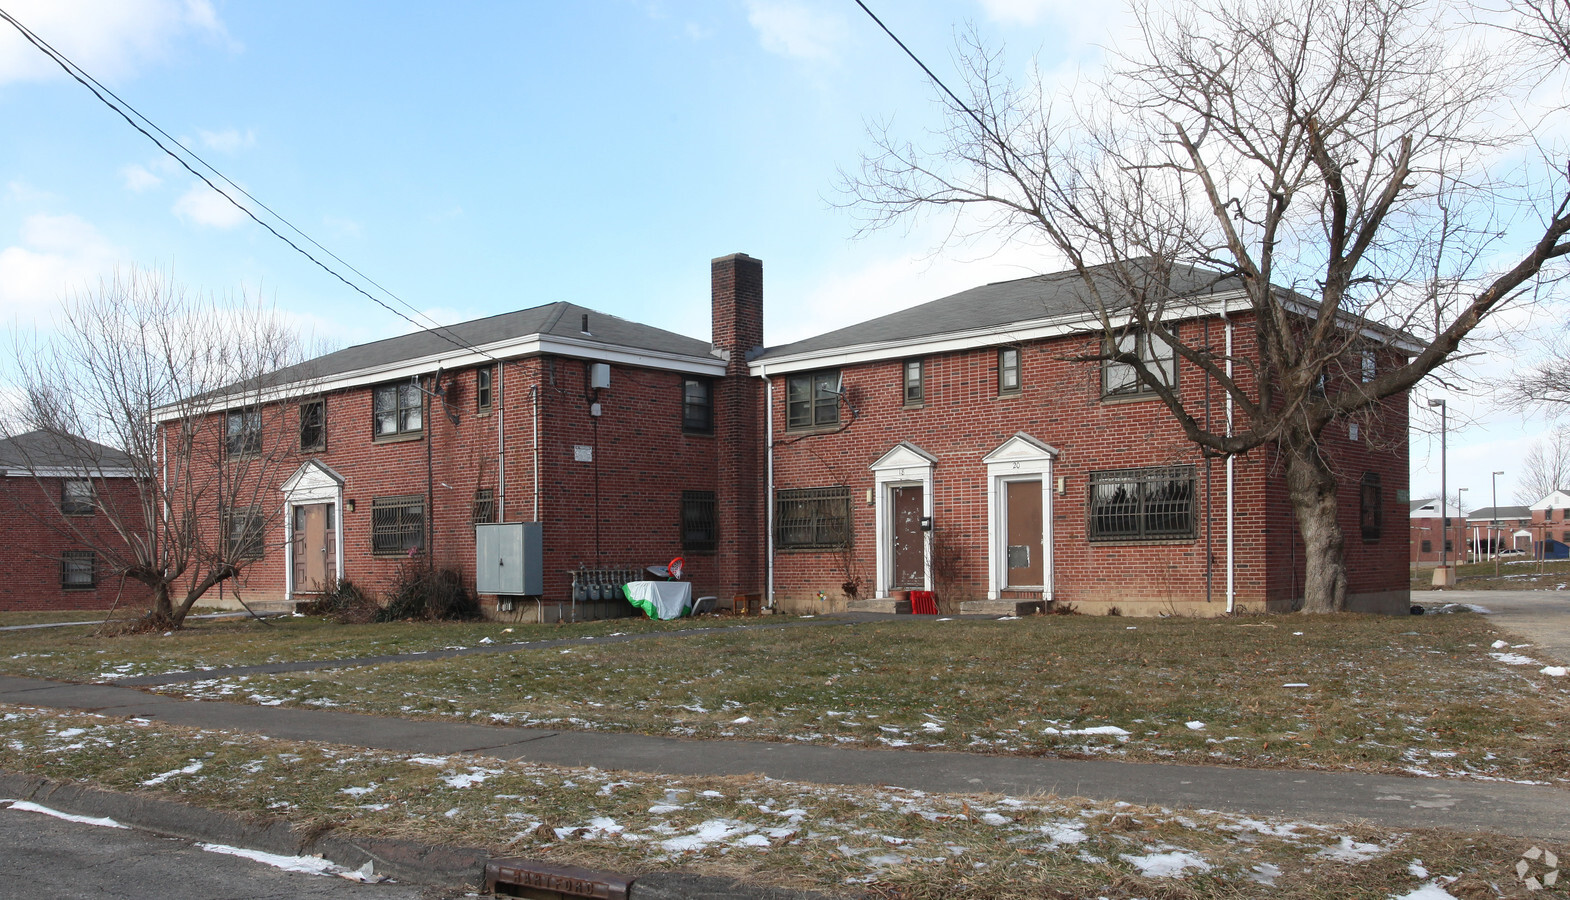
x,y
82,654
1424,695
1514,575
869,842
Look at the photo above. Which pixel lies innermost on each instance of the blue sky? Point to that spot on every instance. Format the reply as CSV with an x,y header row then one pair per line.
x,y
480,157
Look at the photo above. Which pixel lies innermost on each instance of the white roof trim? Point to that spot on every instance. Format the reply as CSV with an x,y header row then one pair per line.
x,y
1021,447
309,468
530,345
66,472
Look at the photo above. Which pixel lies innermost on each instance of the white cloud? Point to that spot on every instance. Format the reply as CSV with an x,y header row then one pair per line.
x,y
109,38
229,140
56,255
796,30
138,179
202,205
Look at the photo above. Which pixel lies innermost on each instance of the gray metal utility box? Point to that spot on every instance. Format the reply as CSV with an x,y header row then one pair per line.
x,y
509,559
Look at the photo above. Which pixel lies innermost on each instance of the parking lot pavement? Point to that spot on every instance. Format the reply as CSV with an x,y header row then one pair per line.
x,y
1542,618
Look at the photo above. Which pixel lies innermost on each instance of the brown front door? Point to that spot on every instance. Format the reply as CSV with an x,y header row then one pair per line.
x,y
910,552
315,549
1024,534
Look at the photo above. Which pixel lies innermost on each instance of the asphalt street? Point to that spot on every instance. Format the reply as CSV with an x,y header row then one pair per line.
x,y
1542,618
47,857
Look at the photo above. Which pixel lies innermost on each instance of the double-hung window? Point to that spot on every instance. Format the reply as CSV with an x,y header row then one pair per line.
x,y
697,406
812,519
1371,513
396,409
1120,379
812,400
313,425
245,532
77,497
1009,380
484,389
1142,504
915,382
243,432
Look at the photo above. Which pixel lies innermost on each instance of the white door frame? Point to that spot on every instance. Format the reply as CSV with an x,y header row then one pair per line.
x,y
906,465
1020,458
312,483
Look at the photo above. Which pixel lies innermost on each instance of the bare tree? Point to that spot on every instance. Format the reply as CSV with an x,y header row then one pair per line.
x,y
1336,166
172,388
1545,468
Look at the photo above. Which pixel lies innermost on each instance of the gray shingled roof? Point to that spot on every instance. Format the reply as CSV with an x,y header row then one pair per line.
x,y
996,305
1503,512
45,450
553,319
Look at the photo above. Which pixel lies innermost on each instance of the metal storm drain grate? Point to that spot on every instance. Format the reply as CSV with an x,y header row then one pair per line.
x,y
531,878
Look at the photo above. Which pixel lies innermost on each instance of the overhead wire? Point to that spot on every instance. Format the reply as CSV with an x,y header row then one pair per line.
x,y
82,77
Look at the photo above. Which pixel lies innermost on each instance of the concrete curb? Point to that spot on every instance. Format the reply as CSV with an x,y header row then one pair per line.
x,y
410,862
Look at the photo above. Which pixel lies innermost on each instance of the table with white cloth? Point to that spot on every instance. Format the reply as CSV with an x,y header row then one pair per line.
x,y
660,599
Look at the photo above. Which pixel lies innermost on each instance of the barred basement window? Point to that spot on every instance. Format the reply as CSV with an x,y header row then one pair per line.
x,y
245,531
484,512
814,518
698,531
397,525
78,569
1142,504
77,497
1371,514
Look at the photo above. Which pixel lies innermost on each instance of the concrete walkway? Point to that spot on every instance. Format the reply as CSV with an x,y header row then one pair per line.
x,y
1535,812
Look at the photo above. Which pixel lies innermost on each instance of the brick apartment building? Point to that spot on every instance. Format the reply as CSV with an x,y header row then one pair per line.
x,y
829,470
1425,531
52,514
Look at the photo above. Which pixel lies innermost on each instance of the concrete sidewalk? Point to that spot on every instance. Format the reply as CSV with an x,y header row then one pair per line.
x,y
1537,812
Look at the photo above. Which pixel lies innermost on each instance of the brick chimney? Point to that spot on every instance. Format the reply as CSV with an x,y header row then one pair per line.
x,y
737,293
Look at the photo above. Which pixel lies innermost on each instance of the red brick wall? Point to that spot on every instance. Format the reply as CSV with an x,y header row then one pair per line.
x,y
34,535
963,418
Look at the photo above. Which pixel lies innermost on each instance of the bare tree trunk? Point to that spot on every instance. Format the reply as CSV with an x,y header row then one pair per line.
x,y
1311,485
163,610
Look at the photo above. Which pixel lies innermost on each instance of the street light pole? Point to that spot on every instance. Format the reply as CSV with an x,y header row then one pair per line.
x,y
1444,520
1493,521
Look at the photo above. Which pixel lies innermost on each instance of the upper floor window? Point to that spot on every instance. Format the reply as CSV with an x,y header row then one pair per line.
x,y
812,399
1009,381
484,391
313,425
243,433
77,497
1122,378
697,406
1370,365
396,409
915,390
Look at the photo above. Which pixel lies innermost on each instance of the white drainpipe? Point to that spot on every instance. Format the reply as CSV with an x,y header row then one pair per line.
x,y
534,391
498,400
768,496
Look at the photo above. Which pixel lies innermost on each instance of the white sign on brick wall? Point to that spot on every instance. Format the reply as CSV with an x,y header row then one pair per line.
x,y
582,453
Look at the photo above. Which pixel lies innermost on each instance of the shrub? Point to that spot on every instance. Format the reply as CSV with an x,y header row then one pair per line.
x,y
344,601
428,595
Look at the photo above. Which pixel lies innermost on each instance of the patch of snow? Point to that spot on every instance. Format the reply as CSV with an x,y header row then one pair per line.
x,y
191,769
1555,671
486,640
1351,851
356,791
1166,865
1497,645
1094,729
310,865
1416,869
994,819
1514,659
708,832
428,760
29,806
468,779
1064,832
1195,726
1430,891
744,720
661,809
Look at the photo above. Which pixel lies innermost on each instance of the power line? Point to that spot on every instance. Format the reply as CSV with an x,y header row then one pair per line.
x,y
1003,147
82,77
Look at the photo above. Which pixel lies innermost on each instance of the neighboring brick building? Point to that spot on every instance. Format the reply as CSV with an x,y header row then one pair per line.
x,y
1425,531
1550,526
1043,478
53,499
1502,527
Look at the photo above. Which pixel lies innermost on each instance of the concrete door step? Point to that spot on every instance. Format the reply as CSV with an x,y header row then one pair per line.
x,y
1004,607
878,605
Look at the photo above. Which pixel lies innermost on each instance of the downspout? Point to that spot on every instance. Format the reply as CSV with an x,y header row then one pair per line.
x,y
1231,468
501,444
768,490
430,485
534,393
